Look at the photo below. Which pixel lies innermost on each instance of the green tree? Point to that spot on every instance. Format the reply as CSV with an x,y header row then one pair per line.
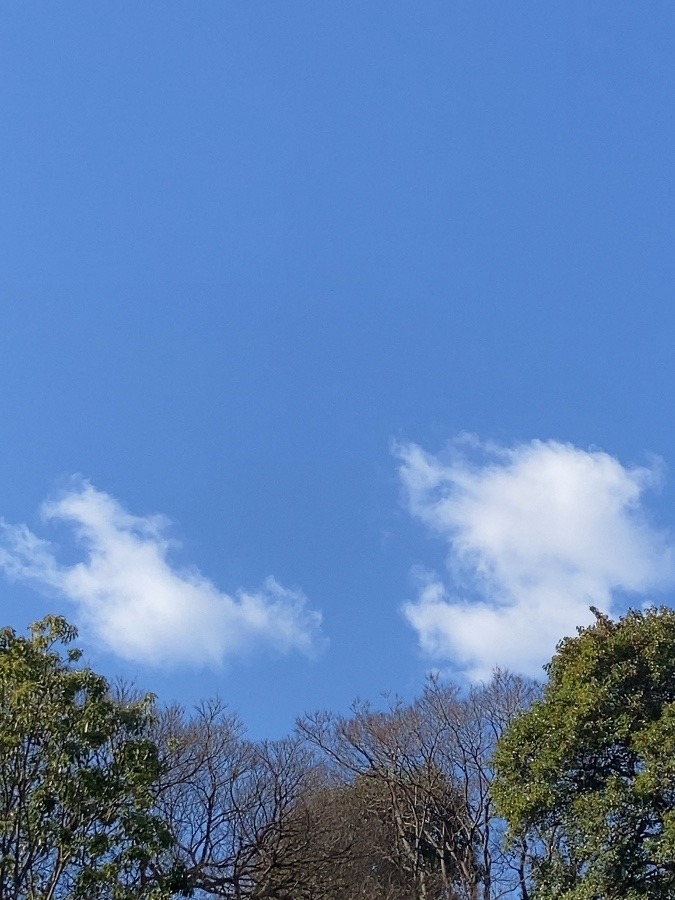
x,y
587,775
77,777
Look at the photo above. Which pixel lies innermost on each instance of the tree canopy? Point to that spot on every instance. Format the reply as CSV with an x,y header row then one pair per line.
x,y
105,797
77,777
587,774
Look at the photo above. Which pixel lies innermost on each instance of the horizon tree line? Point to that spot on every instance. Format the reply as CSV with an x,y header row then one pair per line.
x,y
505,789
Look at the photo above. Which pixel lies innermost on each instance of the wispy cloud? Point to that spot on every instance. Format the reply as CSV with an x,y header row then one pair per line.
x,y
143,607
535,534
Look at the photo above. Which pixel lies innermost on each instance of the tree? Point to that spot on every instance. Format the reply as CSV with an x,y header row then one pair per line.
x,y
77,777
351,847
415,802
469,725
234,806
426,769
587,775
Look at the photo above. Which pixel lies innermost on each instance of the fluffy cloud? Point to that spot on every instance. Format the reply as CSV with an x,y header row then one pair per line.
x,y
144,608
535,535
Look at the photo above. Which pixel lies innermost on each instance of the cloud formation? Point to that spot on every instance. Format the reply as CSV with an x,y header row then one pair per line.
x,y
138,603
535,535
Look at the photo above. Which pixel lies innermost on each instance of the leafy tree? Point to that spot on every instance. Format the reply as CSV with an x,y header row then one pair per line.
x,y
77,777
587,775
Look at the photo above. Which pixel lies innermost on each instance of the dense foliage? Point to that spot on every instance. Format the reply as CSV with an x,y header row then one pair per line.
x,y
77,777
587,775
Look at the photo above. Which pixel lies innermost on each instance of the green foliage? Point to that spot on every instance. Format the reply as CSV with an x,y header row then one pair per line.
x,y
77,777
587,774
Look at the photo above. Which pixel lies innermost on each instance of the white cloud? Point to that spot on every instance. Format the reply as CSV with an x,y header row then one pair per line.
x,y
144,608
535,535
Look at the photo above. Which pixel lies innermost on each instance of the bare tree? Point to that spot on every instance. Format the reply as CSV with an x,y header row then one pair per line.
x,y
468,727
397,753
432,762
377,805
352,844
233,805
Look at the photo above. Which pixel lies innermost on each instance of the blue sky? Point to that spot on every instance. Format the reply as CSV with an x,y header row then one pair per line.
x,y
337,338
